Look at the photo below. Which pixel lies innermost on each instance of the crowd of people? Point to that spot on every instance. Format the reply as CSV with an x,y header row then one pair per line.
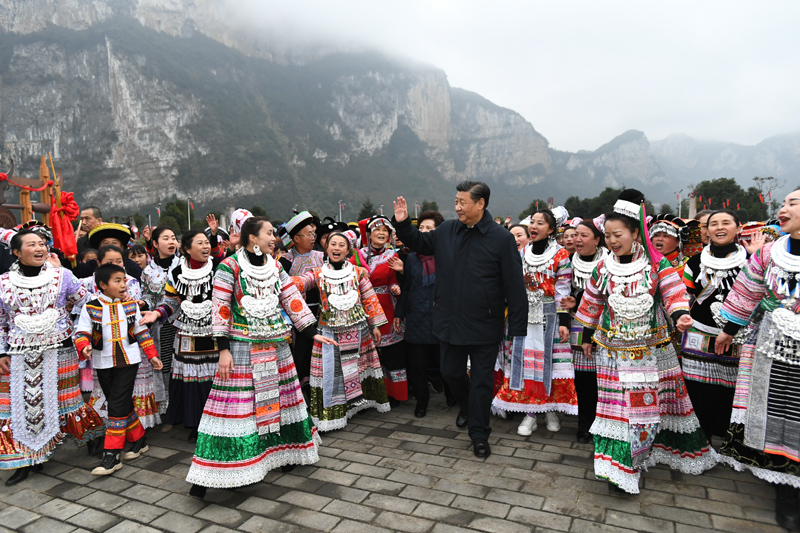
x,y
660,334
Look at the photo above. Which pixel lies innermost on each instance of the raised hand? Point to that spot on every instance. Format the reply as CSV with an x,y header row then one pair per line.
x,y
146,233
213,223
756,242
400,209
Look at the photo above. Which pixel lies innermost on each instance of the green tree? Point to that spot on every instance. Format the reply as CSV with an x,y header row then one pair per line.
x,y
429,206
723,193
666,209
170,222
602,203
367,210
258,211
536,204
177,211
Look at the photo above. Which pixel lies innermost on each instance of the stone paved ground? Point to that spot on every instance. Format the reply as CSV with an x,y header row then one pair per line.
x,y
389,472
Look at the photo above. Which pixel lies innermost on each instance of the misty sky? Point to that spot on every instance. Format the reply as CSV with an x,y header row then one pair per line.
x,y
583,72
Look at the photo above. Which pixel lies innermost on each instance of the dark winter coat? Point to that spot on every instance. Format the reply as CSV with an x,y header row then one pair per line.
x,y
415,304
478,273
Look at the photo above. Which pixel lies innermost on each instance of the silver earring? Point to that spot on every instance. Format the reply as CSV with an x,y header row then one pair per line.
x,y
257,250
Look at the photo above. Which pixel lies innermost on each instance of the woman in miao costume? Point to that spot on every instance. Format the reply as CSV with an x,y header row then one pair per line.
x,y
538,377
589,252
255,418
383,264
187,298
347,378
709,277
40,399
764,427
154,280
644,414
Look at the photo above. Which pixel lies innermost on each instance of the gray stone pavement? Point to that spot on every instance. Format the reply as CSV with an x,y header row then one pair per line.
x,y
388,472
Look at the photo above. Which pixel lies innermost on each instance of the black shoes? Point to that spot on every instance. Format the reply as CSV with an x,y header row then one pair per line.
x,y
462,419
197,491
192,435
137,448
420,411
787,507
584,437
21,474
110,464
451,401
287,468
481,448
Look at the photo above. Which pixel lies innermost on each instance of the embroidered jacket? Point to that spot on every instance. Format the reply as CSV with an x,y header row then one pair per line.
x,y
558,284
383,278
751,289
678,262
176,293
112,329
668,294
366,308
64,289
230,318
154,279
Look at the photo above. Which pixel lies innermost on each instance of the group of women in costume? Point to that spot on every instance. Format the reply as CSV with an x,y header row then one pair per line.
x,y
668,348
656,351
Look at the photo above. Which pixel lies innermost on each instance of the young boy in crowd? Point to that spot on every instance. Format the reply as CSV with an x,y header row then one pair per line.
x,y
109,332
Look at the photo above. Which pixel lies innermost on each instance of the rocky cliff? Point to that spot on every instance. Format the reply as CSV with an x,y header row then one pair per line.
x,y
141,101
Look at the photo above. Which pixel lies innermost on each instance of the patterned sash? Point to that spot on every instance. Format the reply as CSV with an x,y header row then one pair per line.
x,y
264,359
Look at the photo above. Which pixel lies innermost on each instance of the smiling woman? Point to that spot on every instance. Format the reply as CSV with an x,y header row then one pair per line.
x,y
629,306
187,297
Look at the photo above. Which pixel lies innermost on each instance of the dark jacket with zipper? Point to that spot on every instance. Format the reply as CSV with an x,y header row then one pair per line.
x,y
478,273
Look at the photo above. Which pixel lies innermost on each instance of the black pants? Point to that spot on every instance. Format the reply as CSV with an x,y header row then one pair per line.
x,y
712,405
422,358
473,393
586,387
117,385
301,353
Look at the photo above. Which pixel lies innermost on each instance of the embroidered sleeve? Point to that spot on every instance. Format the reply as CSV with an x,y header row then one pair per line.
x,y
83,331
134,288
563,279
142,335
592,302
748,290
221,297
76,292
372,307
307,281
293,303
672,289
170,302
688,278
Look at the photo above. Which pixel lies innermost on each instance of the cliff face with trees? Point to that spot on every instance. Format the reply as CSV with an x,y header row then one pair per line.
x,y
145,101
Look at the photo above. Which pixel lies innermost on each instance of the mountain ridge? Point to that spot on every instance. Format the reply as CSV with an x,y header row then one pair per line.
x,y
144,101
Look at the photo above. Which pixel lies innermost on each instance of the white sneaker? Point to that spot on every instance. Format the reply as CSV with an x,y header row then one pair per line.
x,y
552,421
528,426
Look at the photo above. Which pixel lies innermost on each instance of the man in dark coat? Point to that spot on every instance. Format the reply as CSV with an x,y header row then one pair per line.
x,y
479,272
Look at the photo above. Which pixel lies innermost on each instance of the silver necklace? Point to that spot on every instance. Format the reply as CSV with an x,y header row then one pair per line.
x,y
582,270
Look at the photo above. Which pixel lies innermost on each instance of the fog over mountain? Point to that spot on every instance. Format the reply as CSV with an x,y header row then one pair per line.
x,y
141,101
